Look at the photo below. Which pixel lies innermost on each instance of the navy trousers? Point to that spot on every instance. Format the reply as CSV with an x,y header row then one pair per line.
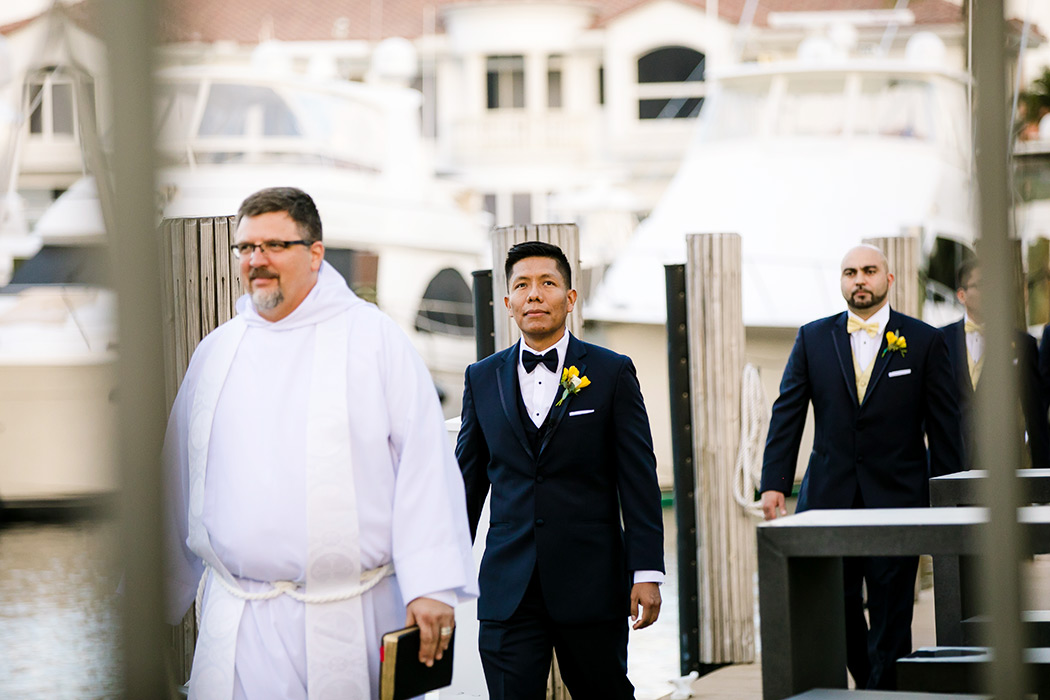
x,y
872,652
516,654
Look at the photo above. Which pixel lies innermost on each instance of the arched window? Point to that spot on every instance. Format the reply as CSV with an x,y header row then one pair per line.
x,y
670,83
447,306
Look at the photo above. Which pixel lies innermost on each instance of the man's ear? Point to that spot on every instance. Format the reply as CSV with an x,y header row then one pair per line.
x,y
316,255
506,302
571,295
889,280
960,294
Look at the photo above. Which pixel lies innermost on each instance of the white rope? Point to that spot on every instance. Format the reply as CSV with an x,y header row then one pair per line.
x,y
754,423
369,580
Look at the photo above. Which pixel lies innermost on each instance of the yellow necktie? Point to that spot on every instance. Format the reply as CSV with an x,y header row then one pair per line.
x,y
972,327
853,325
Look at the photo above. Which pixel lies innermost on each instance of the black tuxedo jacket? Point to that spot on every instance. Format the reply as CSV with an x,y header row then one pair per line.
x,y
559,510
1044,368
874,450
1026,359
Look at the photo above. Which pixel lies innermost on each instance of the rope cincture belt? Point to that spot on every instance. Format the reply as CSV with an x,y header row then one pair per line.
x,y
369,580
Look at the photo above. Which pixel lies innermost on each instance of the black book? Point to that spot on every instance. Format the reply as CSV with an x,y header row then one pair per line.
x,y
401,676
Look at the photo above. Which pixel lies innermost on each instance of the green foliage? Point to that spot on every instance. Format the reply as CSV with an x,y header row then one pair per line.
x,y
1036,98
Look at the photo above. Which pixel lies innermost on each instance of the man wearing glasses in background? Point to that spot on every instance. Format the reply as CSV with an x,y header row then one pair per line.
x,y
965,340
311,480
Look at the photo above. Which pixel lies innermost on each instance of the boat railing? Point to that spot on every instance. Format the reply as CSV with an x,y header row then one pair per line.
x,y
232,150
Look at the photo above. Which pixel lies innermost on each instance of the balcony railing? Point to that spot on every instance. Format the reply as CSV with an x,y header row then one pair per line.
x,y
500,133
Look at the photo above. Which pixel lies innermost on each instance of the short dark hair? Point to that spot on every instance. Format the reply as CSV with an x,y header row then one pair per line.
x,y
291,200
965,271
538,249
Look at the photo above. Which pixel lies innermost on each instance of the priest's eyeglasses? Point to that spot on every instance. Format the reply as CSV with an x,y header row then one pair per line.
x,y
245,250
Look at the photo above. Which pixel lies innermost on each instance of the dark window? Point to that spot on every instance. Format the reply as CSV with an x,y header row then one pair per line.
x,y
670,83
51,103
674,64
64,265
247,110
505,81
521,204
554,99
489,205
601,85
447,306
678,108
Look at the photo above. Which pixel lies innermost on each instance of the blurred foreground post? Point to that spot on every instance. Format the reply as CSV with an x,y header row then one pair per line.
x,y
129,31
725,530
1004,544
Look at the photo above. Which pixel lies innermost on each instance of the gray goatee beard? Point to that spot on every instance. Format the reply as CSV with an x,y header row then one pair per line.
x,y
267,300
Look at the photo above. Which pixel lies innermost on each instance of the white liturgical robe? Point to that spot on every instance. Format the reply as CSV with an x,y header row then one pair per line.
x,y
309,450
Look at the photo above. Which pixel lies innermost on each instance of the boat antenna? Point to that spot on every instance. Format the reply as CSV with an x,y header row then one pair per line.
x,y
891,30
743,28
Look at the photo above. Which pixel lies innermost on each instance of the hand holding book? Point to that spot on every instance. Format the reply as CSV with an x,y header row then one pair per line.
x,y
401,673
435,621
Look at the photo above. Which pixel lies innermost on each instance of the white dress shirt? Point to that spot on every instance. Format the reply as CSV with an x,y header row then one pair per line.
x,y
539,386
974,341
538,389
865,348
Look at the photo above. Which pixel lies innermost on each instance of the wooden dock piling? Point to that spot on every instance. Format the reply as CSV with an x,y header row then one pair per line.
x,y
200,290
725,531
902,253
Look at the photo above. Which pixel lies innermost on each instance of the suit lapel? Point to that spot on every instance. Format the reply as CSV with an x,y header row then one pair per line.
x,y
844,351
507,382
574,355
882,358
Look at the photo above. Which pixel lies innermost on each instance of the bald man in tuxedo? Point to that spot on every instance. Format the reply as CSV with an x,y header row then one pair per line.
x,y
881,387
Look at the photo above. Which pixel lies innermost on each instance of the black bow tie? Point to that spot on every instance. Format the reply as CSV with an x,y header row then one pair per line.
x,y
529,360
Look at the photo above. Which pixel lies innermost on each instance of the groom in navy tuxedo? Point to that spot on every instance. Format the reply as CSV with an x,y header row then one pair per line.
x,y
881,386
557,429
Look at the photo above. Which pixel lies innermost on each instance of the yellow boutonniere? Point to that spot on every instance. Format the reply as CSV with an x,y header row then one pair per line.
x,y
895,343
572,382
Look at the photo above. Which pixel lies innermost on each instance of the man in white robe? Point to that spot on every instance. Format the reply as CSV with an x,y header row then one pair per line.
x,y
311,477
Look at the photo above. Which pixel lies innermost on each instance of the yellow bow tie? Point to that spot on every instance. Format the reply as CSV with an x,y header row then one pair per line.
x,y
853,325
972,327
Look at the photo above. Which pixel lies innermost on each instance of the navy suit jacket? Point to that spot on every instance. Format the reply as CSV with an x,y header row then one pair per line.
x,y
559,511
874,450
1031,401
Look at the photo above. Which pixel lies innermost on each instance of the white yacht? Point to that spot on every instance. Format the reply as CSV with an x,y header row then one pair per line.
x,y
397,234
57,375
803,159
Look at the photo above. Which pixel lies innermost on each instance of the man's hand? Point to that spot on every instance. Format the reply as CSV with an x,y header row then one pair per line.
x,y
648,596
773,505
432,617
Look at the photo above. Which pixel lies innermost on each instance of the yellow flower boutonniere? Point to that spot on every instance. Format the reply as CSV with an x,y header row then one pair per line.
x,y
895,343
572,382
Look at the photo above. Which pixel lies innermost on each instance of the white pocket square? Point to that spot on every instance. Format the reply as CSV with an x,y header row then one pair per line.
x,y
899,373
581,413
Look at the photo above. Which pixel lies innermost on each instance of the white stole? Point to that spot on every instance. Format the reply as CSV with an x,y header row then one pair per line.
x,y
337,664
